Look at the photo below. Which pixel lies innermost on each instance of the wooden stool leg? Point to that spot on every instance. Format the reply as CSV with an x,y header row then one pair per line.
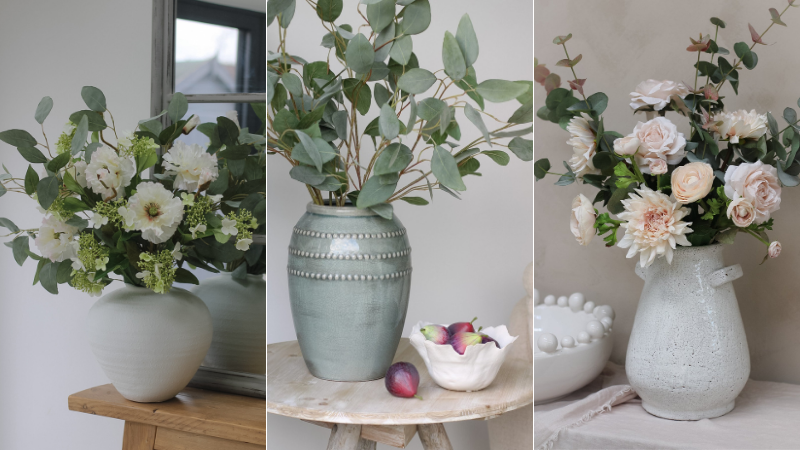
x,y
434,437
348,437
138,436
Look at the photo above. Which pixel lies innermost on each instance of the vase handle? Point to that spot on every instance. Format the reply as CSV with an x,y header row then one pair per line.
x,y
640,271
725,275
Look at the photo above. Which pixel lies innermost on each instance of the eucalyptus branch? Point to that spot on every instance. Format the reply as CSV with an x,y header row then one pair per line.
x,y
572,68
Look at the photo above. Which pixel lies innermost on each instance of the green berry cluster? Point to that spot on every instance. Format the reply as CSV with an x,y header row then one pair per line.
x,y
92,258
111,210
64,142
139,146
58,210
245,222
197,211
157,270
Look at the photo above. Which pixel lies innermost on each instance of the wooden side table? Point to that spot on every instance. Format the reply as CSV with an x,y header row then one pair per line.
x,y
195,419
361,414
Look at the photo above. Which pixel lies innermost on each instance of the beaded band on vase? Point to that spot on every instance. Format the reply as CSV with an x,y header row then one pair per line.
x,y
348,277
322,234
305,254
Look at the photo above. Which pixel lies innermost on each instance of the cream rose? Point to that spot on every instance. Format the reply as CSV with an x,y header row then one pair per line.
x,y
758,183
658,167
774,249
739,125
657,93
581,223
659,139
692,182
626,146
741,212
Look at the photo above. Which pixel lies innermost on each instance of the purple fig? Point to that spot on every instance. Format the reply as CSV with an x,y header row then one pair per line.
x,y
460,341
402,380
486,339
460,327
435,333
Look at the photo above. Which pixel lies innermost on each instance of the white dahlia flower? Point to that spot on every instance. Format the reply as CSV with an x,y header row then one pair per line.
x,y
657,93
583,145
154,211
653,226
191,164
56,240
109,173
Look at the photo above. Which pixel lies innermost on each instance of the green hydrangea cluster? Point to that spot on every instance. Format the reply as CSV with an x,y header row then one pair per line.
x,y
198,208
111,210
64,142
58,210
157,271
139,146
92,258
245,222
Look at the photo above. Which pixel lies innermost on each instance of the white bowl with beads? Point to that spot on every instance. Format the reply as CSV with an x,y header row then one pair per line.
x,y
572,343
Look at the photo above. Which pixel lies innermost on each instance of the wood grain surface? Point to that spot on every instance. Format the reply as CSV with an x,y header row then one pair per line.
x,y
292,391
197,411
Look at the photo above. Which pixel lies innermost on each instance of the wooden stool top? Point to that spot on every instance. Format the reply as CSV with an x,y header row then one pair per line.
x,y
292,391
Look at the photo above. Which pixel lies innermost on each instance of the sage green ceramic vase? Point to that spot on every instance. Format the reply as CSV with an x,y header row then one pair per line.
x,y
349,281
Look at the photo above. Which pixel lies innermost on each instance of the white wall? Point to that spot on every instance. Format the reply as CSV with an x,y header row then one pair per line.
x,y
468,255
54,47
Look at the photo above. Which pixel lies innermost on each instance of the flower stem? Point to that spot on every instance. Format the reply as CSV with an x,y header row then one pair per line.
x,y
755,235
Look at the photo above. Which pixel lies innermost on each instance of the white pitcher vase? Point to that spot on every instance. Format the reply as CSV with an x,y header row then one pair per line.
x,y
687,356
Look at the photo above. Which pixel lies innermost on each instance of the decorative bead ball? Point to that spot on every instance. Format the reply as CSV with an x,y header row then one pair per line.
x,y
584,338
567,342
588,307
604,311
562,301
576,301
595,329
607,322
547,343
536,299
550,300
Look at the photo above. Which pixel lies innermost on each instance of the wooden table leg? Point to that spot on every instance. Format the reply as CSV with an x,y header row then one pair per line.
x,y
138,436
348,437
434,437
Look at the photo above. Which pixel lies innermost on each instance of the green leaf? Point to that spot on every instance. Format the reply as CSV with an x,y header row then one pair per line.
x,y
79,139
412,114
8,224
293,84
71,184
604,160
790,116
18,138
561,40
48,276
430,108
523,148
388,123
382,94
499,91
339,119
786,179
311,149
31,181
47,191
32,154
58,162
402,49
329,10
468,84
74,205
416,17
373,193
467,40
178,107
384,210
380,14
145,161
227,130
772,124
419,201
477,120
498,156
750,60
359,56
93,98
287,14
728,236
454,64
524,114
307,175
20,248
598,102
741,49
358,93
96,121
43,110
331,183
64,271
469,167
718,22
394,158
326,152
311,118
416,81
614,205
275,7
445,169
540,168
384,42
184,276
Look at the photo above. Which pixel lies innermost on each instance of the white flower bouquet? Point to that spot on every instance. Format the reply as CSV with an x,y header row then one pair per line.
x,y
666,188
104,217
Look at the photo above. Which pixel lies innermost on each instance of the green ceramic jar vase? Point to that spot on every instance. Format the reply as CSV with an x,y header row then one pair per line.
x,y
349,281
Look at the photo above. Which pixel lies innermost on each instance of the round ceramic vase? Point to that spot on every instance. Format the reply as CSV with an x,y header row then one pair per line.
x,y
149,345
349,281
238,308
687,356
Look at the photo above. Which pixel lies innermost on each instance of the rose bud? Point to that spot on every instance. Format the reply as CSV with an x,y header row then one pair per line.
x,y
774,249
190,125
435,333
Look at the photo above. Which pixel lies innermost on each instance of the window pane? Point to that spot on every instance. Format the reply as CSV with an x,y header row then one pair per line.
x,y
206,58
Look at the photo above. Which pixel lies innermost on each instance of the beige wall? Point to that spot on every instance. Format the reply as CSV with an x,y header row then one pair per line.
x,y
623,43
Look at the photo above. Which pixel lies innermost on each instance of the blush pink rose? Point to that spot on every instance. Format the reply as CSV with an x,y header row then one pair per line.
x,y
758,183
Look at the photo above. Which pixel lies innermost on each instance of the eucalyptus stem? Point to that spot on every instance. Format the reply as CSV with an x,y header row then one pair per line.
x,y
572,68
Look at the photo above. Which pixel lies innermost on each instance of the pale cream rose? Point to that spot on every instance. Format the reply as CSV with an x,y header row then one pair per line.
x,y
582,220
657,93
659,139
740,124
774,249
658,167
758,183
692,182
741,212
626,146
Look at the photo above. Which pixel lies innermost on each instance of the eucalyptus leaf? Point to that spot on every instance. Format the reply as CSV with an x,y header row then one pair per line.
x,y
384,42
373,193
384,210
43,110
498,156
293,84
380,14
392,159
416,81
93,98
31,181
81,132
382,95
412,113
467,40
454,64
419,201
430,108
178,107
477,120
32,154
47,191
339,119
524,114
307,175
329,10
48,276
402,49
96,121
287,14
360,54
523,148
499,91
388,124
311,149
445,169
18,138
8,224
416,17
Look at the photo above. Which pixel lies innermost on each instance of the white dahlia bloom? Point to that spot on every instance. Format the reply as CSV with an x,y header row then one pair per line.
x,y
739,125
653,226
109,173
583,145
56,240
191,164
657,93
154,211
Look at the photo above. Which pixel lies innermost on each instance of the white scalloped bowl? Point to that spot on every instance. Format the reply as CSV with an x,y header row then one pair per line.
x,y
472,371
572,343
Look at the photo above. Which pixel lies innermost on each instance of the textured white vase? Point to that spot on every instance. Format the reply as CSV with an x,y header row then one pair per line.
x,y
238,310
687,356
149,345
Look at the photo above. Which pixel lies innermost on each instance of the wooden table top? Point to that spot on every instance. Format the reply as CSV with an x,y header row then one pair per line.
x,y
292,391
196,411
